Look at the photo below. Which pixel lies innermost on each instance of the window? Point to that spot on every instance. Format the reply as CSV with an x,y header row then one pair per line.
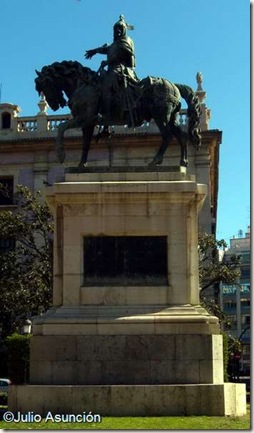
x,y
245,273
245,320
230,304
245,257
6,190
245,302
6,121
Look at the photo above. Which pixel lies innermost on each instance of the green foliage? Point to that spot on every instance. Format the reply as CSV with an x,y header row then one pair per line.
x,y
25,269
18,347
234,349
225,355
212,268
234,345
213,308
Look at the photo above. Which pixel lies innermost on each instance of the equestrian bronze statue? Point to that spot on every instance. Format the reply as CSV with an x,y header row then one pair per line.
x,y
114,95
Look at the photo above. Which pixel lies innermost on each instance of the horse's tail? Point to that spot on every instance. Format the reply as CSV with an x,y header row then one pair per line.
x,y
193,113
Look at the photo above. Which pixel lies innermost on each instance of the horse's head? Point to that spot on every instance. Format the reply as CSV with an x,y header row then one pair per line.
x,y
46,84
62,78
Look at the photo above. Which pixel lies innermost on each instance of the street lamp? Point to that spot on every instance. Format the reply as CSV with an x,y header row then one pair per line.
x,y
26,327
26,330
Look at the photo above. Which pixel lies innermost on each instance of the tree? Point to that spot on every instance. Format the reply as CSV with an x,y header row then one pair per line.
x,y
26,266
213,270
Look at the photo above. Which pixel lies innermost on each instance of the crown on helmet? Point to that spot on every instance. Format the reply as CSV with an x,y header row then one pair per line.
x,y
122,23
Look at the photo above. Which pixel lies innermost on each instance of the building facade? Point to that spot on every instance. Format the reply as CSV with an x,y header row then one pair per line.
x,y
236,299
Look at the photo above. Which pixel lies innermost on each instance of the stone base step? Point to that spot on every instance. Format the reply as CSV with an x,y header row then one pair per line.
x,y
130,400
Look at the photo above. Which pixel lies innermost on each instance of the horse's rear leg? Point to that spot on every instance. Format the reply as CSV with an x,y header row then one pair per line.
x,y
166,134
182,138
158,159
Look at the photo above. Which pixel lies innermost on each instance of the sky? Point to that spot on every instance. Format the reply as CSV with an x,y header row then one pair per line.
x,y
173,39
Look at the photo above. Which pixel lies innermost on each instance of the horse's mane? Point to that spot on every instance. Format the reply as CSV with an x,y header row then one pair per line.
x,y
67,68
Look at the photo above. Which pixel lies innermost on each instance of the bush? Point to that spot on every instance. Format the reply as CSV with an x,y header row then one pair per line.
x,y
18,349
3,399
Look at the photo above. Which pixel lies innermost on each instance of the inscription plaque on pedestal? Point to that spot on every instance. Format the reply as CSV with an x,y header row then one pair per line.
x,y
129,260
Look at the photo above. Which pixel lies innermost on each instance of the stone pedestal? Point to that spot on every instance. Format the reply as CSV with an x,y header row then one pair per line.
x,y
132,330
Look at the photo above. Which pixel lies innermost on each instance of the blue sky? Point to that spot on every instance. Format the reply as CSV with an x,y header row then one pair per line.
x,y
174,39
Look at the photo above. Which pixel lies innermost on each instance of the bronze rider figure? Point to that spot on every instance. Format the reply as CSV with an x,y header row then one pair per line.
x,y
120,74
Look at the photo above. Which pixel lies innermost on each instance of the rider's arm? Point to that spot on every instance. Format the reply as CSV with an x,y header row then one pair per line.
x,y
101,50
132,60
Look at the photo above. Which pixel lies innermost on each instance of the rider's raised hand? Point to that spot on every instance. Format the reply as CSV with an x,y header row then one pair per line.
x,y
89,54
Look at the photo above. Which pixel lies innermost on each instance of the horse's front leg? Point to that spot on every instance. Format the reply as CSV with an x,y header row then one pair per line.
x,y
87,137
71,123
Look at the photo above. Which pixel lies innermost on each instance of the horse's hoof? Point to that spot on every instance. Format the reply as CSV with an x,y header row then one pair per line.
x,y
155,162
151,164
82,165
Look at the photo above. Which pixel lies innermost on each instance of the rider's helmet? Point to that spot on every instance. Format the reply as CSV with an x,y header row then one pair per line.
x,y
120,27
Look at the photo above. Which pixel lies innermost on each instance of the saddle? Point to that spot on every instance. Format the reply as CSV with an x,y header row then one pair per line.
x,y
124,89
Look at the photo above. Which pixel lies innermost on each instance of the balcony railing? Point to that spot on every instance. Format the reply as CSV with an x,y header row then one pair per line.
x,y
54,121
38,123
26,124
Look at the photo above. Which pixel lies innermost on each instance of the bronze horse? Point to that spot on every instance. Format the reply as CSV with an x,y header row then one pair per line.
x,y
154,98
